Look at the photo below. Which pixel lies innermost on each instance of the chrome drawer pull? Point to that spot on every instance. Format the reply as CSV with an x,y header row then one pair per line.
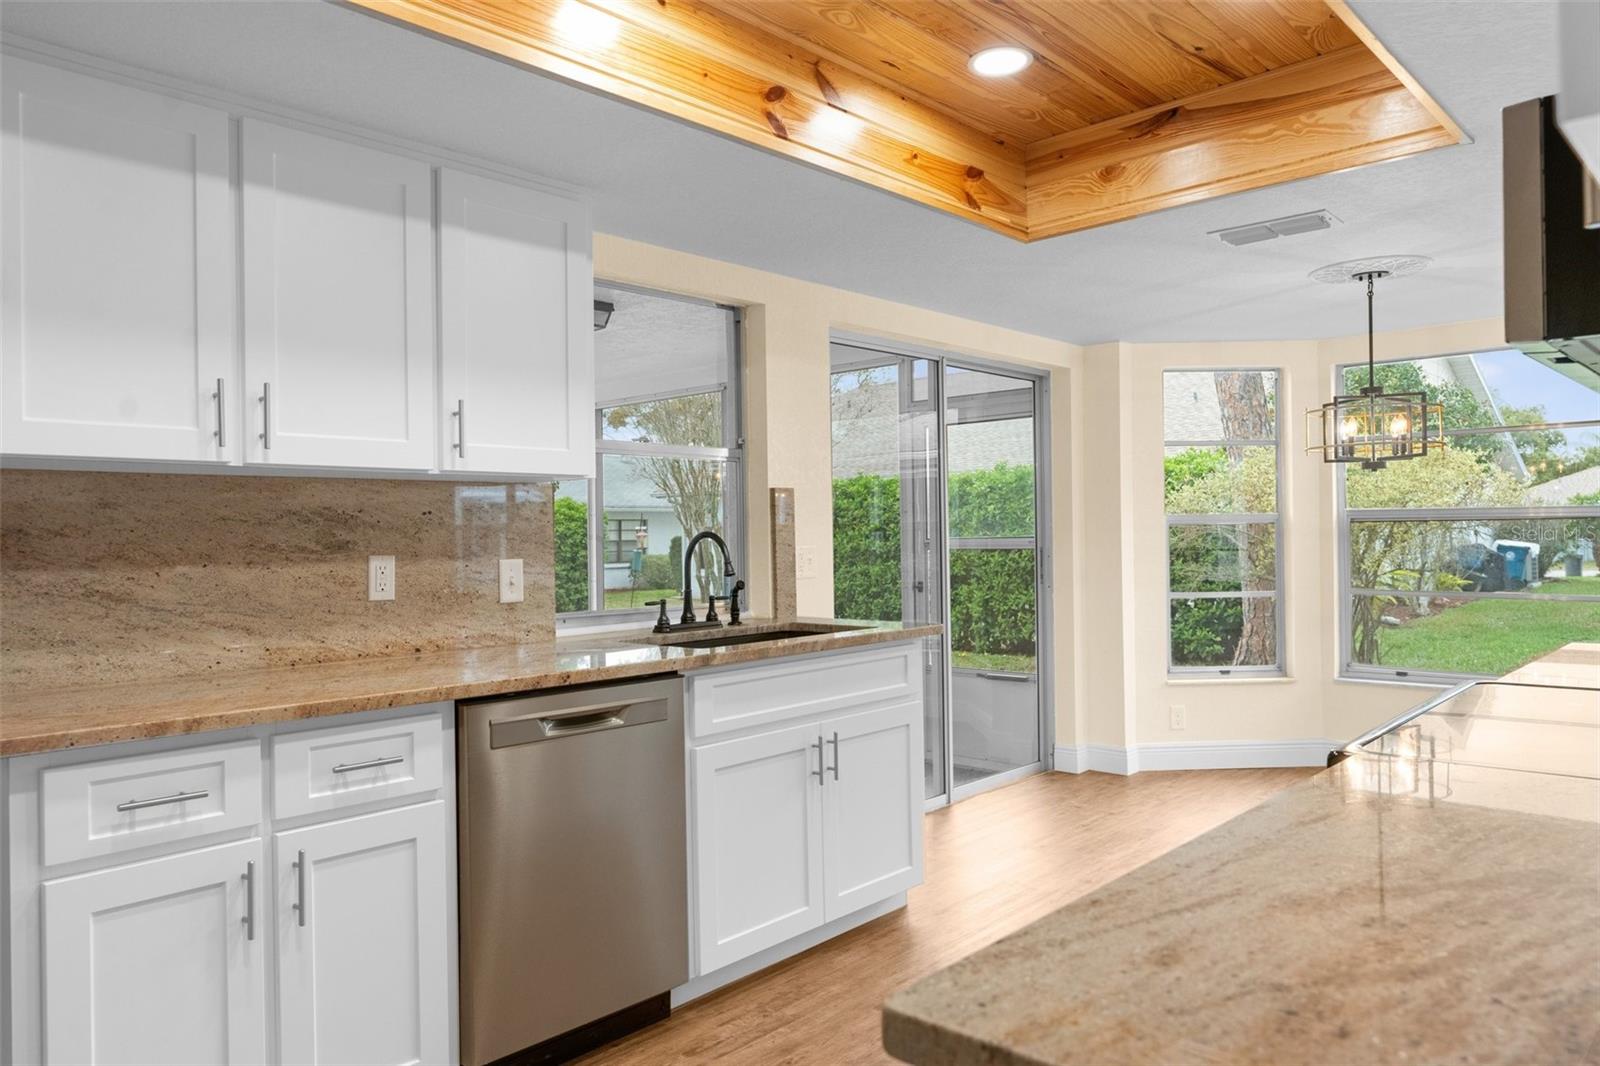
x,y
266,416
818,771
382,760
300,885
249,919
835,766
222,427
160,801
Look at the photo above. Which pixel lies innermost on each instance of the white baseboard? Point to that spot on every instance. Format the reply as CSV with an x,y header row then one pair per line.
x,y
710,982
1193,755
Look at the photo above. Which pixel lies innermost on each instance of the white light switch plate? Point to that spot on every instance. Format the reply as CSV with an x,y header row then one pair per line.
x,y
510,580
380,577
805,563
1179,716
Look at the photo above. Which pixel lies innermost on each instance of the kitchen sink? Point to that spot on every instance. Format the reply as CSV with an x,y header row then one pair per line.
x,y
725,638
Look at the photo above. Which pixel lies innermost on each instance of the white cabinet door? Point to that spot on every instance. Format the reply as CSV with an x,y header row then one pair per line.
x,y
160,961
758,843
117,270
338,303
362,958
517,291
872,806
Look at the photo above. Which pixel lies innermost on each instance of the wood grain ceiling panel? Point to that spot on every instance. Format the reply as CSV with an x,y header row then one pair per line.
x,y
1130,105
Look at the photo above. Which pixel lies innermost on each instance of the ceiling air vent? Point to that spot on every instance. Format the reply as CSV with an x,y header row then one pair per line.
x,y
1256,232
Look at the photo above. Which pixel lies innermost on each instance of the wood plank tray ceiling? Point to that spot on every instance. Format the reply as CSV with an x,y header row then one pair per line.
x,y
1130,106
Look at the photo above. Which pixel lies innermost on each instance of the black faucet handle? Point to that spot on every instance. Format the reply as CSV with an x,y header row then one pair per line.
x,y
733,603
711,607
662,624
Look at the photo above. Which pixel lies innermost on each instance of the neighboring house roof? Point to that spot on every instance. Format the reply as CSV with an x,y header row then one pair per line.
x,y
867,420
1560,490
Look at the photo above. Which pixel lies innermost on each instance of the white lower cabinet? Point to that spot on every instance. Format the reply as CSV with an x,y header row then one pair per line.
x,y
871,807
797,824
160,961
362,955
758,842
161,946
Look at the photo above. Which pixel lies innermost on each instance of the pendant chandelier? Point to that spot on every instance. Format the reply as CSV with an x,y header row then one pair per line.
x,y
1374,427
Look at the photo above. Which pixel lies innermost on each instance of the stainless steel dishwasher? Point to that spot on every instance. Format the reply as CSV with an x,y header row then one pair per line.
x,y
574,887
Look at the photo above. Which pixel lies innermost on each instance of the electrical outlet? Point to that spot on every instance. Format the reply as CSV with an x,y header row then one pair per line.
x,y
380,577
805,563
510,580
1179,715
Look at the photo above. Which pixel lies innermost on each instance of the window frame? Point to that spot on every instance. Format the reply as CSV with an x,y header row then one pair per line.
x,y
731,455
1345,517
1277,669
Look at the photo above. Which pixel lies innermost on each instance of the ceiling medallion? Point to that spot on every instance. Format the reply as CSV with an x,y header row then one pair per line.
x,y
1374,427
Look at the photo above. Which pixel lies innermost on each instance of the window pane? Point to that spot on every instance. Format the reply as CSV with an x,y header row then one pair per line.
x,y
866,493
657,344
671,499
1533,555
992,609
695,420
1218,405
1497,388
1236,480
572,546
1438,634
1225,632
1231,558
991,478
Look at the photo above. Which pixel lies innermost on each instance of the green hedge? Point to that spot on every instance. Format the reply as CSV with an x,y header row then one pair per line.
x,y
866,548
993,590
572,555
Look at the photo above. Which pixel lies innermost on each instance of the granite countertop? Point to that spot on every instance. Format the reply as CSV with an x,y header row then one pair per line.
x,y
1435,897
71,716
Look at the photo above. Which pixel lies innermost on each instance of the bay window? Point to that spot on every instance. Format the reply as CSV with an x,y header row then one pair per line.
x,y
1479,558
1220,474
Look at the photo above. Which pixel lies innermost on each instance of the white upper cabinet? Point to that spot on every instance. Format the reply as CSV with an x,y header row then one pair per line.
x,y
338,303
117,270
518,337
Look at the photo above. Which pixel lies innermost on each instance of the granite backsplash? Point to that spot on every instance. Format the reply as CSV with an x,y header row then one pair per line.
x,y
118,576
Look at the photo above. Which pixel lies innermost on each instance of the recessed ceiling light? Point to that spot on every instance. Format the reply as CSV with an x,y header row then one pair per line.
x,y
999,62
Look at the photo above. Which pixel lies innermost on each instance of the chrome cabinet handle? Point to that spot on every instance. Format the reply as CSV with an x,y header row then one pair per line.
x,y
461,428
818,770
382,760
249,919
161,801
222,425
266,416
300,886
835,766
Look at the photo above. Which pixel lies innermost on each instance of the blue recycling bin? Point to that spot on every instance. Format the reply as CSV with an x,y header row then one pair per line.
x,y
1521,565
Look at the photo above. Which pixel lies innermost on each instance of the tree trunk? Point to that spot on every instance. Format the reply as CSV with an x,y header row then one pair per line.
x,y
1242,398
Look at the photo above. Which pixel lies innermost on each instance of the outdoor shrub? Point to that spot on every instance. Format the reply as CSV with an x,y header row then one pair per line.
x,y
866,547
572,555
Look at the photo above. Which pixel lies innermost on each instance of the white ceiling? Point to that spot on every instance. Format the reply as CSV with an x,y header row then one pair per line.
x,y
660,181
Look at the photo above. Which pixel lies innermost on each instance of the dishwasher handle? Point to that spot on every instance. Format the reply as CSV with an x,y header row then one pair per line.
x,y
575,721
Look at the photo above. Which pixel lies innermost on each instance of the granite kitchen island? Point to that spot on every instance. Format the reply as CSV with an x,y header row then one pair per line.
x,y
1433,897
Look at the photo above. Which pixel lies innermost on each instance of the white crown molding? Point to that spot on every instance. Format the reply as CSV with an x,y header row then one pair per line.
x,y
1194,755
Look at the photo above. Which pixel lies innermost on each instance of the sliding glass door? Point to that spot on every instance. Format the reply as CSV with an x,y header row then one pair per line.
x,y
887,506
990,452
936,506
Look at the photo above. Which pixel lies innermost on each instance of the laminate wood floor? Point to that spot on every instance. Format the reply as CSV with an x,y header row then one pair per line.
x,y
994,863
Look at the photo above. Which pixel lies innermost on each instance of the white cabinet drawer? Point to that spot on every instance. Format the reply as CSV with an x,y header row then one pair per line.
x,y
324,769
725,701
99,808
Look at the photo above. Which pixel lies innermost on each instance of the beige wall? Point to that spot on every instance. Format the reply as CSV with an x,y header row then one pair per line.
x,y
786,331
1110,644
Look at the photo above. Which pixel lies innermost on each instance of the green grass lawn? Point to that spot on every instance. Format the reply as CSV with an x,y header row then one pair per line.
x,y
977,660
1493,636
636,597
